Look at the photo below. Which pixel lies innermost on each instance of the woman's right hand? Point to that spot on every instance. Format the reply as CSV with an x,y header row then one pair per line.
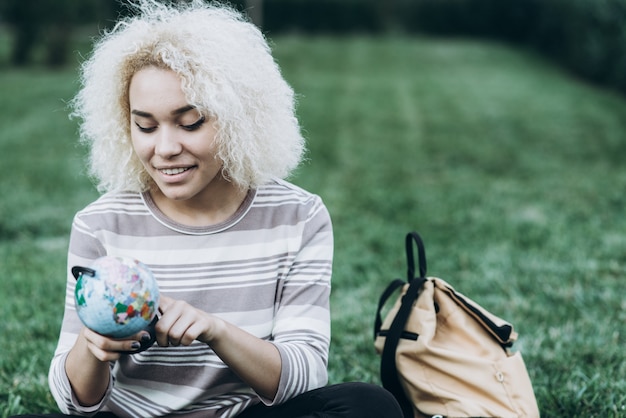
x,y
87,363
108,349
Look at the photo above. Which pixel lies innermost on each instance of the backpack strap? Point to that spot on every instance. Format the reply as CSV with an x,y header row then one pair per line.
x,y
413,237
393,286
388,369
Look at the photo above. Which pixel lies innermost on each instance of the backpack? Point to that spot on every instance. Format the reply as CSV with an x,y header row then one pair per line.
x,y
444,355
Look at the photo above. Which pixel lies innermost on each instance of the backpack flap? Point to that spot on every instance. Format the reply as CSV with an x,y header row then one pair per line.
x,y
500,329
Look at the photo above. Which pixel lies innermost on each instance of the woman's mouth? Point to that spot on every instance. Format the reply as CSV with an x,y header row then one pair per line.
x,y
174,171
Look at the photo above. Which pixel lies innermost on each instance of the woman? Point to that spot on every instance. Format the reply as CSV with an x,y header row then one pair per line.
x,y
192,130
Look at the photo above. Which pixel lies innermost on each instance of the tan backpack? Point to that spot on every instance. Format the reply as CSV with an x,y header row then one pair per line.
x,y
444,355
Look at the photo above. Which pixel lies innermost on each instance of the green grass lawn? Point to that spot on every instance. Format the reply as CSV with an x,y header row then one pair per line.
x,y
511,169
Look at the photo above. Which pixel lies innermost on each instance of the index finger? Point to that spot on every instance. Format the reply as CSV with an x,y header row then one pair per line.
x,y
164,303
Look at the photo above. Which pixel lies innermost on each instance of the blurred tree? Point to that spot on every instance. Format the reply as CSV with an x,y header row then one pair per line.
x,y
49,24
388,13
254,8
23,21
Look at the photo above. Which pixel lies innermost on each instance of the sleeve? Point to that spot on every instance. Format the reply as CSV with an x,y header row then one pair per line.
x,y
302,323
84,247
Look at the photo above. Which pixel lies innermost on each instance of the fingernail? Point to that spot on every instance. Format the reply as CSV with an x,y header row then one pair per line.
x,y
135,345
145,337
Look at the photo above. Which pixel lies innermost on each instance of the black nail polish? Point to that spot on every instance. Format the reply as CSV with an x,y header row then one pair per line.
x,y
145,338
135,345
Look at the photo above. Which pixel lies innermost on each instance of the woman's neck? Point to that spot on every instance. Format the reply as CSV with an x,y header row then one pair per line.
x,y
210,210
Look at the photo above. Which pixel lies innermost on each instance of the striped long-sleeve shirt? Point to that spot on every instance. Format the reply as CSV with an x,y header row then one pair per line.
x,y
267,270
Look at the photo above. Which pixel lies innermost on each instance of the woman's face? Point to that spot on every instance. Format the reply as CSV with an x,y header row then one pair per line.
x,y
175,144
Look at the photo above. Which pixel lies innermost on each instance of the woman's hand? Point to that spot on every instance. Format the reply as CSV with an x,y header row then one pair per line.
x,y
254,360
182,324
87,363
107,349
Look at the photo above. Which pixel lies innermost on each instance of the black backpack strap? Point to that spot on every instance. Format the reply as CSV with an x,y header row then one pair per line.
x,y
413,237
393,286
388,369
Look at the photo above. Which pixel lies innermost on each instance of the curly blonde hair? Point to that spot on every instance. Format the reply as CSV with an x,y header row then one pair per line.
x,y
227,72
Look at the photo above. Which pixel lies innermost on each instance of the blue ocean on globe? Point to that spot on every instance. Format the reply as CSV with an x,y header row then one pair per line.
x,y
116,296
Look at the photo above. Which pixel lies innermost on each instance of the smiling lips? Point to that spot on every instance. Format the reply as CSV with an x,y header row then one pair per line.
x,y
174,171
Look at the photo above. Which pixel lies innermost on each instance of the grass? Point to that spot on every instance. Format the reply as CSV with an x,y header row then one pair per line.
x,y
510,169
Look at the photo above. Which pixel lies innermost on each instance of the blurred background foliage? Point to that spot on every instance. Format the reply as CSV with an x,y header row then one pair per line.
x,y
586,36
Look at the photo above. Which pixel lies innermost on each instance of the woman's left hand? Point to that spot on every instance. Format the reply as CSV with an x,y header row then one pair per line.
x,y
182,324
254,360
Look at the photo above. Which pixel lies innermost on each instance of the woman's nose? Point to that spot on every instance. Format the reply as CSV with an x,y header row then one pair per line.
x,y
167,144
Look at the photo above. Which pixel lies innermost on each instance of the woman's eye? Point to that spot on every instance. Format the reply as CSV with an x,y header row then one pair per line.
x,y
145,129
194,125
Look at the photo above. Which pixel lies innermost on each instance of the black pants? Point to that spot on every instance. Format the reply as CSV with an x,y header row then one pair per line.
x,y
344,400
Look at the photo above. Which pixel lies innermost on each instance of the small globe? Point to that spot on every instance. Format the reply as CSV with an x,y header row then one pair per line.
x,y
116,296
